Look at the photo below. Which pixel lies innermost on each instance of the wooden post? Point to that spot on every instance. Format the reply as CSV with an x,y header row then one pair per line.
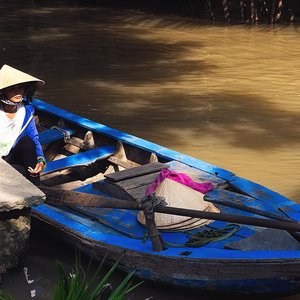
x,y
226,11
210,9
279,11
148,209
242,11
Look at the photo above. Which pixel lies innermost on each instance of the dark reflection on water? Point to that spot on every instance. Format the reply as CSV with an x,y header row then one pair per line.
x,y
225,94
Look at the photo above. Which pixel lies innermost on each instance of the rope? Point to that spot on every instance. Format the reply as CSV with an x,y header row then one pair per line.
x,y
65,132
204,237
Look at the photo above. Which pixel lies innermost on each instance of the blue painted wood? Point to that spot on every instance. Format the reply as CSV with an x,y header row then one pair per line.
x,y
67,218
95,232
82,158
259,192
131,140
244,203
291,211
53,134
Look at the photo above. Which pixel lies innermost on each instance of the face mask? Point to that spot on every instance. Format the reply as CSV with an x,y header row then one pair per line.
x,y
8,102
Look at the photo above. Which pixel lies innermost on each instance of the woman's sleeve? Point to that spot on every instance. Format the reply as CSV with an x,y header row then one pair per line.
x,y
33,133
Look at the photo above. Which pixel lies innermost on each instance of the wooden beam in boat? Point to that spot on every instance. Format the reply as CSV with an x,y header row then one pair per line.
x,y
135,172
125,164
120,159
60,197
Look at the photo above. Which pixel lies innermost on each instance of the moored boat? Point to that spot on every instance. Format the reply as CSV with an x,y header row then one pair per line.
x,y
94,160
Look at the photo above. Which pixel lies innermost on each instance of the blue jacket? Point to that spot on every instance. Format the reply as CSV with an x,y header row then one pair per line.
x,y
29,129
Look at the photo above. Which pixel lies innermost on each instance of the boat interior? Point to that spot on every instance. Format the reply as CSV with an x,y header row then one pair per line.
x,y
82,160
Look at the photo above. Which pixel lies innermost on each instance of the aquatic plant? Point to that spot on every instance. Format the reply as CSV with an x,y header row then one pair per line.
x,y
5,296
78,285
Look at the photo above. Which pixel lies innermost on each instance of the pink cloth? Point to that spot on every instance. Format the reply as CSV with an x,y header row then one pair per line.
x,y
181,178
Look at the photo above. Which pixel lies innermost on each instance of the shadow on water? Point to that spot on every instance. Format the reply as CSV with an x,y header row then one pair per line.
x,y
128,69
240,120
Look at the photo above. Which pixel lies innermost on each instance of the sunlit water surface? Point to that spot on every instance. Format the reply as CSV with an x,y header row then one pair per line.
x,y
228,95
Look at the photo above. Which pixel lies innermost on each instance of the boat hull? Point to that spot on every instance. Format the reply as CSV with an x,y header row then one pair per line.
x,y
232,276
212,267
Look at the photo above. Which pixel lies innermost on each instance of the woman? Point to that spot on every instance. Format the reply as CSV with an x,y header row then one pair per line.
x,y
19,143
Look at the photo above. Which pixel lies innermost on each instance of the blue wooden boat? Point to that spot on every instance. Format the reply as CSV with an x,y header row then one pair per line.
x,y
82,154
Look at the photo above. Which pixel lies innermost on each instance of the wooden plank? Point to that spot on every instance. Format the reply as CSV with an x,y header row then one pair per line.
x,y
53,134
82,158
128,164
267,239
138,193
244,203
258,191
136,182
111,189
291,211
131,188
134,172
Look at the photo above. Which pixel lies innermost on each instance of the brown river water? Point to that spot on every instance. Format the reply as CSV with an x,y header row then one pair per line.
x,y
227,94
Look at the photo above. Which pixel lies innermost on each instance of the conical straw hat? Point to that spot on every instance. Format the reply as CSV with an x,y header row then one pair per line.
x,y
10,76
179,195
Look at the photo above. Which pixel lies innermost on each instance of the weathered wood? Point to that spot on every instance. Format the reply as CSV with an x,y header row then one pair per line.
x,y
60,197
264,240
131,188
111,188
128,164
134,172
241,202
157,241
138,181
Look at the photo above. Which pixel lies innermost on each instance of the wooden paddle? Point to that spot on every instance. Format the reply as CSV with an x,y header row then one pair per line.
x,y
56,197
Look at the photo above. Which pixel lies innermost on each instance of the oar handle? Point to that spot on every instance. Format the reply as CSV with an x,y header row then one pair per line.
x,y
55,196
231,218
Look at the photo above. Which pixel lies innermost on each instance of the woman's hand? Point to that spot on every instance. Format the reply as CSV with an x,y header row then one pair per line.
x,y
37,170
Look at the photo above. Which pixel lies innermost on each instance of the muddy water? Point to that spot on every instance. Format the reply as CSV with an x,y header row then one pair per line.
x,y
228,95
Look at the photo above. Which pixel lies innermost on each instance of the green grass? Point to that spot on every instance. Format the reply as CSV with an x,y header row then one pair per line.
x,y
80,285
5,296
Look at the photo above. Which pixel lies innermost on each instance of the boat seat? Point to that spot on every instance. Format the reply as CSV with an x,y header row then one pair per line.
x,y
80,159
130,184
50,135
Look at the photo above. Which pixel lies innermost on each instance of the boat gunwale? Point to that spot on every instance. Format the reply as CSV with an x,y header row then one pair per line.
x,y
132,140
